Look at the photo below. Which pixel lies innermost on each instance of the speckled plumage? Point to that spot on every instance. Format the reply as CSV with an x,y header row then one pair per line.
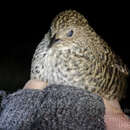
x,y
82,60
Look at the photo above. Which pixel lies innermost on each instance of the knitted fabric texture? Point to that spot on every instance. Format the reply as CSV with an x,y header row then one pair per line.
x,y
54,108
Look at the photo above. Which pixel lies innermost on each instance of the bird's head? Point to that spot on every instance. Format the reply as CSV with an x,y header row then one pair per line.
x,y
67,27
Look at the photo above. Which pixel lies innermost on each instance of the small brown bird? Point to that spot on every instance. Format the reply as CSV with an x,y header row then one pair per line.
x,y
72,53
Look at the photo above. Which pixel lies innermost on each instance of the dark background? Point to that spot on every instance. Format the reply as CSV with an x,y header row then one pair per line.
x,y
23,25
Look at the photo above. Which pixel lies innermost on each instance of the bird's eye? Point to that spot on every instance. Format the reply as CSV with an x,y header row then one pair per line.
x,y
70,33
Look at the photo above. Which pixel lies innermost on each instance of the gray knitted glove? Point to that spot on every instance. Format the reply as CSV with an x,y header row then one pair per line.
x,y
54,108
2,96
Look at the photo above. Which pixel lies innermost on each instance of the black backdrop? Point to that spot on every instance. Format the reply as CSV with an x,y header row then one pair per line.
x,y
23,25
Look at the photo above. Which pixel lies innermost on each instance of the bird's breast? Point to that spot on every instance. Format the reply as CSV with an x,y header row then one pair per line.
x,y
64,67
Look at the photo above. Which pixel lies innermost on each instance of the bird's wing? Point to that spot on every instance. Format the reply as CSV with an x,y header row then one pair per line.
x,y
113,60
120,65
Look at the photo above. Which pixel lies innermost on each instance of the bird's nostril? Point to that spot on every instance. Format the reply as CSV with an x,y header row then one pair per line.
x,y
53,40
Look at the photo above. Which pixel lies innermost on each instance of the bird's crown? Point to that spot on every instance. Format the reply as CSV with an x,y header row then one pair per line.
x,y
67,18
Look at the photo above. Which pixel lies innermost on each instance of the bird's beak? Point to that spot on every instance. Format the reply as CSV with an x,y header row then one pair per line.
x,y
53,40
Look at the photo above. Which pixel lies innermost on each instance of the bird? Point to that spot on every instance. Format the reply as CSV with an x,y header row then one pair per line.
x,y
72,53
